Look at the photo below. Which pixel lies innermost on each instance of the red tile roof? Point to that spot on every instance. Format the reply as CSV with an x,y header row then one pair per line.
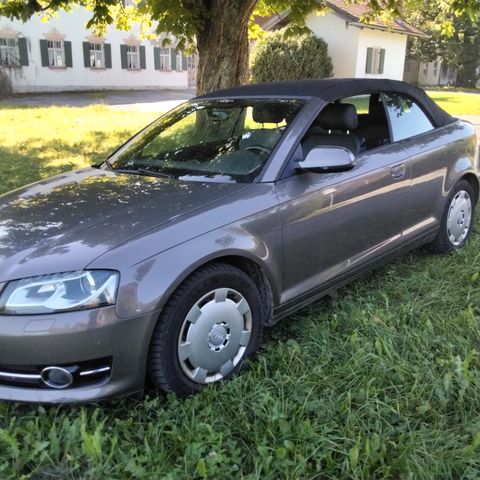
x,y
354,13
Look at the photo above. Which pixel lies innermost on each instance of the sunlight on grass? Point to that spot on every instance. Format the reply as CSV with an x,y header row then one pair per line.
x,y
36,143
458,103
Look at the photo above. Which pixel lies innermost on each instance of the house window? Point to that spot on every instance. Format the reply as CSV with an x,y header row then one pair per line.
x,y
97,55
133,57
425,70
165,57
435,68
9,52
56,53
178,61
375,60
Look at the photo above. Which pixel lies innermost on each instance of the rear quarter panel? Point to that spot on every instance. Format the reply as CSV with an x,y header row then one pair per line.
x,y
439,159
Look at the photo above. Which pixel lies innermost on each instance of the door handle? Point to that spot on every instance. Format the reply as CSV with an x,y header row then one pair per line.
x,y
398,171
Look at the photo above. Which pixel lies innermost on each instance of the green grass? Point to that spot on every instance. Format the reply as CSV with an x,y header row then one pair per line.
x,y
381,381
457,103
36,143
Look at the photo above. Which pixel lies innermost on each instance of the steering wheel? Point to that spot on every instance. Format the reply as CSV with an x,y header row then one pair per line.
x,y
260,149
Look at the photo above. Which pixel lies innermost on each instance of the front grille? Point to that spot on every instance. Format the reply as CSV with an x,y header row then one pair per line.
x,y
84,374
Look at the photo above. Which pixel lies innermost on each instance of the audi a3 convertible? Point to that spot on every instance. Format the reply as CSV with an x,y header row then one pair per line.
x,y
162,265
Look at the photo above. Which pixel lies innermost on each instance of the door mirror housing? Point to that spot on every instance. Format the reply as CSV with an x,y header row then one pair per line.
x,y
327,159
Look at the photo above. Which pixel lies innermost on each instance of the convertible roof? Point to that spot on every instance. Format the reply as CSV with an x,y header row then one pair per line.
x,y
332,89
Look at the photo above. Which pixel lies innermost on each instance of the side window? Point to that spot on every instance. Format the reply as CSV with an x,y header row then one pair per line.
x,y
375,60
407,119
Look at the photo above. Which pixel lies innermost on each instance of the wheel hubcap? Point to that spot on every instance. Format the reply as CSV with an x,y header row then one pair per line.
x,y
459,218
214,335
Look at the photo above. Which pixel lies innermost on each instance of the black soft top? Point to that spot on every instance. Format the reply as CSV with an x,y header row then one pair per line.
x,y
332,89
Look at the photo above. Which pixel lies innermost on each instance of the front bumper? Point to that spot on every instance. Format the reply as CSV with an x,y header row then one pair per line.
x,y
30,343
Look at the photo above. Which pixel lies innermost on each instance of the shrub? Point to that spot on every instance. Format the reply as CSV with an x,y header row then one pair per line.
x,y
278,57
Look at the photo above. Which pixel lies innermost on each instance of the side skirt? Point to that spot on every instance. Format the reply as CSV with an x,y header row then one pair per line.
x,y
317,293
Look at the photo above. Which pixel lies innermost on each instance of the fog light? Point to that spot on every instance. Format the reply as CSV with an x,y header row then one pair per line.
x,y
56,377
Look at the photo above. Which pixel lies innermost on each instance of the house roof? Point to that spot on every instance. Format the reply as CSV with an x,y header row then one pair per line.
x,y
352,14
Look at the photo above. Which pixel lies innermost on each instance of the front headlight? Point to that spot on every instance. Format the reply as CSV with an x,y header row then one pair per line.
x,y
59,292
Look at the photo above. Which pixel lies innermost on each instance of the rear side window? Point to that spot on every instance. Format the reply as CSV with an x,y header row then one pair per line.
x,y
407,119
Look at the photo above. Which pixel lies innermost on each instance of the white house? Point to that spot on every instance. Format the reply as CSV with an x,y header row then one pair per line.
x,y
429,73
359,50
62,55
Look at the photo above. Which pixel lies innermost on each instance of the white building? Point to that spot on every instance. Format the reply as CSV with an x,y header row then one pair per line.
x,y
359,50
429,73
62,55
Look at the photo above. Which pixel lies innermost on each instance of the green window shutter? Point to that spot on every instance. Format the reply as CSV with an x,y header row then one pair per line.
x,y
382,61
44,53
184,63
143,58
107,50
23,51
86,54
368,67
68,54
123,56
156,57
173,59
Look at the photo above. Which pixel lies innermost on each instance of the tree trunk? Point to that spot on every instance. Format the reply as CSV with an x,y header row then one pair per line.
x,y
222,43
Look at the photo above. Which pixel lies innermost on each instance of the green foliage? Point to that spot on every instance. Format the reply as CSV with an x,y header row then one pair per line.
x,y
455,40
197,22
278,56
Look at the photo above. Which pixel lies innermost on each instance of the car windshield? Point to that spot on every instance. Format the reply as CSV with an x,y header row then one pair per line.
x,y
212,140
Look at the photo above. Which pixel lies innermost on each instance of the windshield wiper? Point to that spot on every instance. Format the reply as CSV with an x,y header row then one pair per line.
x,y
142,171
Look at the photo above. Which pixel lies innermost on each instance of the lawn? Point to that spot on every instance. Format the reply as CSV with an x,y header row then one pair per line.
x,y
40,142
457,103
379,381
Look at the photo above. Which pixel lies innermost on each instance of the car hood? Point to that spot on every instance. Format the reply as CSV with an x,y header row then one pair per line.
x,y
65,222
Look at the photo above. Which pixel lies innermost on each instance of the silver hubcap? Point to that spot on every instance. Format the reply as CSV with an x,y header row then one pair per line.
x,y
215,335
459,218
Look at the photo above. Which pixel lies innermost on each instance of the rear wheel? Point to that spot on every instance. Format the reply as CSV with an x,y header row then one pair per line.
x,y
209,326
457,220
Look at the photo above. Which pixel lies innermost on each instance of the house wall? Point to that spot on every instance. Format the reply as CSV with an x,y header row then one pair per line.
x,y
348,44
429,73
395,46
342,41
35,77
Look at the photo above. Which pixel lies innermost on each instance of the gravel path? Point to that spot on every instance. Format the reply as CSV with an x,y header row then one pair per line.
x,y
148,100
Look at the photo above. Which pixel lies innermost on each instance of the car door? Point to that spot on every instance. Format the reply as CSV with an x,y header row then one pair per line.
x,y
432,154
337,223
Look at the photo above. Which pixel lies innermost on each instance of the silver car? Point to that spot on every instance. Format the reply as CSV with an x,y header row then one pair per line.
x,y
162,265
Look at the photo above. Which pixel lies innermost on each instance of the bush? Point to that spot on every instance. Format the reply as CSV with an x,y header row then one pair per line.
x,y
278,57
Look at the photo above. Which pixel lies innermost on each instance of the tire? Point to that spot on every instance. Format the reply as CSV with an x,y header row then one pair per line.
x,y
457,220
212,322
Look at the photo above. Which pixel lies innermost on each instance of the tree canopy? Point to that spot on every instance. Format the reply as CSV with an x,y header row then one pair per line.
x,y
455,40
219,28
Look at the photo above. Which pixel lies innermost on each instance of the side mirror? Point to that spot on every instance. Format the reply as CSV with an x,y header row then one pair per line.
x,y
327,159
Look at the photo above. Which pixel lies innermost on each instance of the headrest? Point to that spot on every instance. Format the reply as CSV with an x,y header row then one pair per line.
x,y
338,116
269,113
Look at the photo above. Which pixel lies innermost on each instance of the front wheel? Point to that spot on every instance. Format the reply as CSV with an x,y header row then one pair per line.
x,y
209,326
457,221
